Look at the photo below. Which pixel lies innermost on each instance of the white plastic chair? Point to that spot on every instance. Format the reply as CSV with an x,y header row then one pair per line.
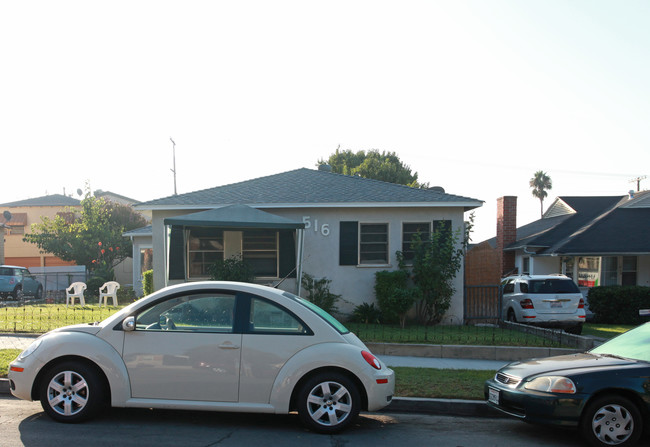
x,y
76,290
109,289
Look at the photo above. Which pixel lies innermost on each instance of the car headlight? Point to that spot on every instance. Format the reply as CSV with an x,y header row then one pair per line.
x,y
30,349
552,384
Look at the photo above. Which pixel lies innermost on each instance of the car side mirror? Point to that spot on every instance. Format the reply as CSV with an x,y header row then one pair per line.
x,y
128,324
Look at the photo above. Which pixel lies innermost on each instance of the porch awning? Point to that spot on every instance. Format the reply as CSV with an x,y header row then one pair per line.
x,y
234,216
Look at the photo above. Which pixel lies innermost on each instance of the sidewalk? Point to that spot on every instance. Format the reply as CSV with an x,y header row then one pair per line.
x,y
426,356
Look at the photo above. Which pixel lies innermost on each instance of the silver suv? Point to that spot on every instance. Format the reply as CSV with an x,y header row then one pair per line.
x,y
17,282
544,300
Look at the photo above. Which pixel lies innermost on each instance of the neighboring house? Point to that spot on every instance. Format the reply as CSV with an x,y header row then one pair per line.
x,y
3,229
24,213
141,239
344,228
594,240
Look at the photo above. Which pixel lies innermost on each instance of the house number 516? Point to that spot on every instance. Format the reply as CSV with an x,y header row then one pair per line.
x,y
324,229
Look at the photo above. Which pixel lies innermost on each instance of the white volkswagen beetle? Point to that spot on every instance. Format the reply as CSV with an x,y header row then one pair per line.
x,y
220,346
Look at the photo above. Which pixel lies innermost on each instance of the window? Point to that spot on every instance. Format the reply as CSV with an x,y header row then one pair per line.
x,y
193,313
373,244
408,231
16,229
205,247
609,272
588,272
268,318
260,251
628,276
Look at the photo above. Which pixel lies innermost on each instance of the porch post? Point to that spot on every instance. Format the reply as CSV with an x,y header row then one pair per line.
x,y
300,248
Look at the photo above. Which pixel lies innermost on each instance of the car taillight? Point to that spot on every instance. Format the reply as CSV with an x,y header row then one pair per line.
x,y
371,359
581,304
526,304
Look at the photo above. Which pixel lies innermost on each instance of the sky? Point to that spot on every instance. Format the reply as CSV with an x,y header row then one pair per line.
x,y
474,96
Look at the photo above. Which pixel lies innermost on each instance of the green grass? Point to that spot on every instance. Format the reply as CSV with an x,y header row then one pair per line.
x,y
6,357
605,330
447,335
440,383
45,317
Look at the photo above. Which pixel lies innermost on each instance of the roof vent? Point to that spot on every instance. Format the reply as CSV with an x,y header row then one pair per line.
x,y
631,194
325,168
437,189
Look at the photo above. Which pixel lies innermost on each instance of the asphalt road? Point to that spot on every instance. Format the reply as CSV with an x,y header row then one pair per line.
x,y
24,424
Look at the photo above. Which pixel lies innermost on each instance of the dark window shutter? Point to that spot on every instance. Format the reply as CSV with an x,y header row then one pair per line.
x,y
176,253
349,243
287,254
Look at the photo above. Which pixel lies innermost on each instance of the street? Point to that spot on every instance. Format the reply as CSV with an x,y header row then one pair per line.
x,y
24,424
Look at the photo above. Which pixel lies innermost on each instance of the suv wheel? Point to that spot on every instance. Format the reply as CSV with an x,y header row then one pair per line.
x,y
511,316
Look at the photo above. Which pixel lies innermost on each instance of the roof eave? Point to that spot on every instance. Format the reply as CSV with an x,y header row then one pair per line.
x,y
466,205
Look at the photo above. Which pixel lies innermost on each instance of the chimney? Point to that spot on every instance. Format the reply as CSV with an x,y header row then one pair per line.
x,y
506,231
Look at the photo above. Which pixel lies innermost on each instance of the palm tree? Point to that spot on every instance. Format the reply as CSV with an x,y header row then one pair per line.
x,y
540,183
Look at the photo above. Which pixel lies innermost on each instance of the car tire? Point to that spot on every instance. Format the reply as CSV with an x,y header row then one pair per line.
x,y
512,317
39,293
328,402
17,293
611,420
72,392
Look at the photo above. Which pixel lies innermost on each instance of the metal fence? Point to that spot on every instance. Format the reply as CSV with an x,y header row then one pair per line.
x,y
482,303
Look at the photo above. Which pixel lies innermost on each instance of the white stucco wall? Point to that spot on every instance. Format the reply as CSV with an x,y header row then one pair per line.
x,y
321,249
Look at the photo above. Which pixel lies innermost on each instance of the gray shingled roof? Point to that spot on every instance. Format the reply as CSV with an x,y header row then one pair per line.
x,y
599,226
308,186
51,200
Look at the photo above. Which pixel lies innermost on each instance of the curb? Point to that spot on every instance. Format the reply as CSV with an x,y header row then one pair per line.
x,y
446,407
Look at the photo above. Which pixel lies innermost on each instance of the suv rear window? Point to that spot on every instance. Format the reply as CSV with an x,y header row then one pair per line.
x,y
549,286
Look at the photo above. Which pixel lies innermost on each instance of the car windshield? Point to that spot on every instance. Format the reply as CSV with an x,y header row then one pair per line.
x,y
633,344
552,286
336,324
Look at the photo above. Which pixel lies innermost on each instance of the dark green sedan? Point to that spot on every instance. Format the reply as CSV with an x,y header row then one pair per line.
x,y
604,392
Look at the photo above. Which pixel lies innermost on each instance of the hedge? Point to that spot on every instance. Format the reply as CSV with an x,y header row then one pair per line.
x,y
619,304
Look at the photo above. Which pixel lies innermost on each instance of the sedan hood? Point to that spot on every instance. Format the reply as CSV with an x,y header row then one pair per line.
x,y
565,363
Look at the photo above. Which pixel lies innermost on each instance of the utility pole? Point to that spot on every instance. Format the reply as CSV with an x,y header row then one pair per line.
x,y
638,181
174,170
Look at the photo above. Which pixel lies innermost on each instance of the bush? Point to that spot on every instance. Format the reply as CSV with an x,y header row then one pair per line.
x,y
147,282
232,269
366,313
618,304
318,292
393,294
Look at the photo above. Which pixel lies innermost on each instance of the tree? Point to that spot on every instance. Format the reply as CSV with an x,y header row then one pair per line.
x,y
436,262
384,166
540,183
89,236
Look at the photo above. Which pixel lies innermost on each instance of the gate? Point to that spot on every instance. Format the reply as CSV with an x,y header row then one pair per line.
x,y
482,303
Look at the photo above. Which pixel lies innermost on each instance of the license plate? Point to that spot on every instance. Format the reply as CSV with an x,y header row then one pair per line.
x,y
556,305
493,396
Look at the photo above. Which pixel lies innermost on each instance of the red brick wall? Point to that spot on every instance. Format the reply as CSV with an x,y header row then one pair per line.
x,y
506,231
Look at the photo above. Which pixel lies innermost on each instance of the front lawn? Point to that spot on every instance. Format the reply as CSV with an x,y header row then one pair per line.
x,y
6,357
605,330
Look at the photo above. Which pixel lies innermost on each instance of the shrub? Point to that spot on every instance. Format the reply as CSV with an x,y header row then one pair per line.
x,y
232,269
318,292
393,294
366,313
147,282
618,304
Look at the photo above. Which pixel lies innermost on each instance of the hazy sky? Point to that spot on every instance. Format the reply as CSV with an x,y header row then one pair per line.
x,y
473,95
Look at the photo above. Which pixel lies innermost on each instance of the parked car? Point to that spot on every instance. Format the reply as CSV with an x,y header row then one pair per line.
x,y
220,346
605,392
544,300
16,282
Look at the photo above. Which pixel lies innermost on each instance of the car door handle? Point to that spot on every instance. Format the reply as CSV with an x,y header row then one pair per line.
x,y
228,345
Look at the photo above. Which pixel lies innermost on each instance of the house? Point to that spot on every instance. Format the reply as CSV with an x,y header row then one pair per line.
x,y
344,228
3,229
602,240
19,218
